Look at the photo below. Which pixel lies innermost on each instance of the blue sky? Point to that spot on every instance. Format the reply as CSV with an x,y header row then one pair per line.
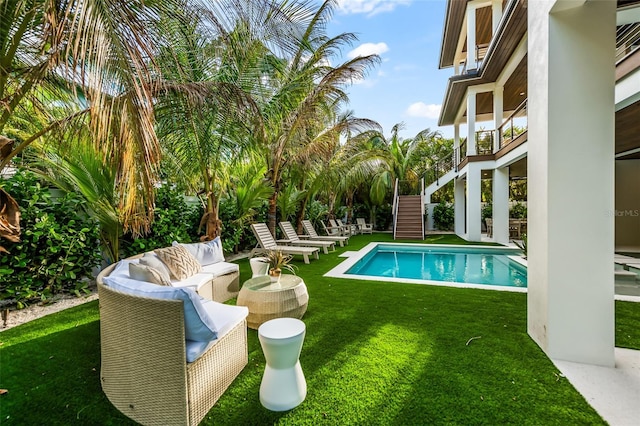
x,y
407,86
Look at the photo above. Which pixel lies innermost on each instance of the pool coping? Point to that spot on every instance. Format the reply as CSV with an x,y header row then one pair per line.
x,y
339,271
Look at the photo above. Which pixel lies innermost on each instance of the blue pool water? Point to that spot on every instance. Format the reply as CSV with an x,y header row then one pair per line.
x,y
448,264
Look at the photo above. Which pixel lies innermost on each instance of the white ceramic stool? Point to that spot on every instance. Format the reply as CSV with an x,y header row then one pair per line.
x,y
283,385
259,266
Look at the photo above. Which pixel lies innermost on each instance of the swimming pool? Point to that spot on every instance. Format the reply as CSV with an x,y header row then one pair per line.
x,y
486,267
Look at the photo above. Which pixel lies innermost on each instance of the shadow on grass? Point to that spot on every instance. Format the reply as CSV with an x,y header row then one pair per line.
x,y
53,377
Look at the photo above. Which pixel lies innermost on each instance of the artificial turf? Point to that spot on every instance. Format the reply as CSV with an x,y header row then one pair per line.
x,y
374,353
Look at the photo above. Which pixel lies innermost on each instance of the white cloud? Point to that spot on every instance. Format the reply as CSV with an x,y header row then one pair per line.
x,y
368,49
420,109
369,7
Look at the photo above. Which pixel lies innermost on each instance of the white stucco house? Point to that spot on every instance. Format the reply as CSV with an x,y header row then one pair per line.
x,y
550,90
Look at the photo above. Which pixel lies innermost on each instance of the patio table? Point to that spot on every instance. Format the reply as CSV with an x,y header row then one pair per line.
x,y
267,300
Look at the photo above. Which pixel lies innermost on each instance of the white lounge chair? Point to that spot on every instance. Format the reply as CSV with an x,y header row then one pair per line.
x,y
352,228
337,229
266,243
313,235
364,226
291,235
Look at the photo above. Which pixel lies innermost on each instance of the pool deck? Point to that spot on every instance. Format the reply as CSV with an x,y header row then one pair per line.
x,y
614,392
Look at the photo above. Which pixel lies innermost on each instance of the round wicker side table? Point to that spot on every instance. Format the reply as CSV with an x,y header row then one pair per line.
x,y
268,300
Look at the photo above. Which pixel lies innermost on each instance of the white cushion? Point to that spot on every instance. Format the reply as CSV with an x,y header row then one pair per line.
x,y
194,281
220,268
225,317
198,325
206,253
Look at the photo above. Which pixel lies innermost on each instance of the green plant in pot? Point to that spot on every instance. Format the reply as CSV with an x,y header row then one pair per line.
x,y
279,261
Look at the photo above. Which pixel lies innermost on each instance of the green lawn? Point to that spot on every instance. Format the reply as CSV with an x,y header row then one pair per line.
x,y
374,353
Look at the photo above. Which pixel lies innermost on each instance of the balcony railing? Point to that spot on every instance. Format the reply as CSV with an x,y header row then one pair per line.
x,y
484,142
481,52
513,126
627,40
462,151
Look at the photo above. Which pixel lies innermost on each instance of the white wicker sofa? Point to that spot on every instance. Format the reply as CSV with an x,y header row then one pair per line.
x,y
218,281
167,352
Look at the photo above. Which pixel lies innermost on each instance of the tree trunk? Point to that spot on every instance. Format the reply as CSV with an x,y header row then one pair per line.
x,y
271,213
350,207
211,219
332,206
9,219
300,215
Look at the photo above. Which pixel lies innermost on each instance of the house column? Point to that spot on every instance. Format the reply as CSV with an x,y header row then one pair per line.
x,y
498,114
571,179
471,37
496,14
459,203
474,210
501,205
471,123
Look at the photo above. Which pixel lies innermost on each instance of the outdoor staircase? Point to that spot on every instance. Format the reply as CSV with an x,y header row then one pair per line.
x,y
410,222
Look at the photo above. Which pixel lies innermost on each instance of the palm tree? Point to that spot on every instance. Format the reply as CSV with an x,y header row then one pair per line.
x,y
83,170
227,63
398,158
300,109
102,54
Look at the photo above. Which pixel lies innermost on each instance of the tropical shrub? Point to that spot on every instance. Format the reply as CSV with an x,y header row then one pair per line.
x,y
518,211
444,217
487,211
316,212
173,221
236,234
59,245
383,217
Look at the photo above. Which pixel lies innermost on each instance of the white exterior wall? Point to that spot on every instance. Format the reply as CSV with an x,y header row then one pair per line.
x,y
570,185
474,216
500,207
459,208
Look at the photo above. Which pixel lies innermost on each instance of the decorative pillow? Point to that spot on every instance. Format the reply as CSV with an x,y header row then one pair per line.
x,y
216,243
206,253
180,262
198,325
148,274
150,259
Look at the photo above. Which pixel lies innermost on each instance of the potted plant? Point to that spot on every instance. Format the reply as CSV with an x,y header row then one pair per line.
x,y
277,262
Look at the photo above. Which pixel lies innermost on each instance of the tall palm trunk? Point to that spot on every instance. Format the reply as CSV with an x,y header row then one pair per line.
x,y
350,195
211,219
271,213
300,214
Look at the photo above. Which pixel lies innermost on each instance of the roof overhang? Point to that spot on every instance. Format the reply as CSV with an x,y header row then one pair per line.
x,y
509,34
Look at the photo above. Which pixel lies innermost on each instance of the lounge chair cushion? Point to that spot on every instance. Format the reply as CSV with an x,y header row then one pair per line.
x,y
180,262
147,273
199,326
206,253
225,317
